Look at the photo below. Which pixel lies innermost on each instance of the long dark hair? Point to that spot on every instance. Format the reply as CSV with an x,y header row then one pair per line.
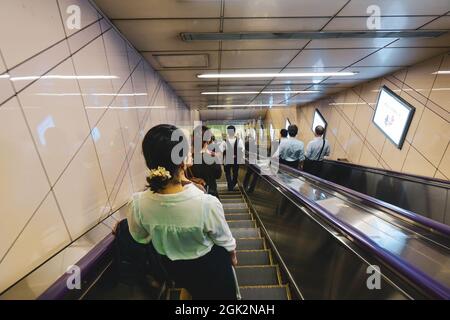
x,y
157,148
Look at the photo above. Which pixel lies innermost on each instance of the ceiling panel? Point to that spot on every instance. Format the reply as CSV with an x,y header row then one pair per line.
x,y
257,59
132,9
154,27
329,58
282,8
164,35
386,23
399,56
212,58
349,43
274,24
442,41
263,44
442,23
389,7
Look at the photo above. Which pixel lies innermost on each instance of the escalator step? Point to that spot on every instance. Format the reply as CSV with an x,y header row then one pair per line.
x,y
245,232
234,205
234,211
238,216
264,293
250,244
257,275
242,224
253,258
231,196
232,200
226,192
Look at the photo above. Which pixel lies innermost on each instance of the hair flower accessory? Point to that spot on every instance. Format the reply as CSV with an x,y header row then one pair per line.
x,y
159,172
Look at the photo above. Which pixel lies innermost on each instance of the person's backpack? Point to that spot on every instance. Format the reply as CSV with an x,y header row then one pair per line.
x,y
136,263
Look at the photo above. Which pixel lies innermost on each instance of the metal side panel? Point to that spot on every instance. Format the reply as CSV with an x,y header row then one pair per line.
x,y
324,263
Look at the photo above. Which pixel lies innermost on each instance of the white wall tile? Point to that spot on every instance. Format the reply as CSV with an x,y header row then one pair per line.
x,y
116,52
28,71
432,136
44,236
57,119
88,14
19,167
415,163
107,137
36,24
83,37
444,166
81,192
6,89
97,93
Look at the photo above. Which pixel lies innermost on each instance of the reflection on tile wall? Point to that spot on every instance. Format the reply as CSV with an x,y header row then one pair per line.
x,y
353,136
74,107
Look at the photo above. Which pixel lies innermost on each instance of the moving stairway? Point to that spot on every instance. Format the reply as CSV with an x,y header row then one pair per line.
x,y
258,275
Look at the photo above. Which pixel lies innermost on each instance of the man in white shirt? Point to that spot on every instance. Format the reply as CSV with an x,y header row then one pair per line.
x,y
291,150
318,148
316,151
233,149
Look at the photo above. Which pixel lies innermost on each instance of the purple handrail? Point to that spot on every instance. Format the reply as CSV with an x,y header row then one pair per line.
x,y
58,290
426,222
416,276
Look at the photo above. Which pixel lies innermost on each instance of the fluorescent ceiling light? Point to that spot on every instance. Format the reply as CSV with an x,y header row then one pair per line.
x,y
58,77
275,75
4,76
245,105
133,107
257,92
92,94
442,72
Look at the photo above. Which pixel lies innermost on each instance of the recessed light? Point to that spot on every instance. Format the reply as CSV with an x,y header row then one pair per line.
x,y
257,92
245,105
60,77
275,75
133,107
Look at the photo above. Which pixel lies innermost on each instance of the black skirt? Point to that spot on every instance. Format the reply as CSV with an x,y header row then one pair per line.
x,y
207,278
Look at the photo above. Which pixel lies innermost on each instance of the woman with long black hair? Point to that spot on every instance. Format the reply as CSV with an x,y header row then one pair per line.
x,y
186,226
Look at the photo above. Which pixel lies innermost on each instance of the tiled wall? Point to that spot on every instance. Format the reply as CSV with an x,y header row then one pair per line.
x,y
353,136
69,127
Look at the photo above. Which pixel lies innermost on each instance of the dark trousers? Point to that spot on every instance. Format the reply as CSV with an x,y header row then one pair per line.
x,y
206,278
229,170
293,164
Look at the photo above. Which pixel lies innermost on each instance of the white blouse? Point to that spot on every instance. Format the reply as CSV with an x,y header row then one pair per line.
x,y
181,226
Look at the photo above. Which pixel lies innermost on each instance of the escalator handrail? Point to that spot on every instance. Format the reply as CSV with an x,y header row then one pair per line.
x,y
417,218
439,183
59,289
416,276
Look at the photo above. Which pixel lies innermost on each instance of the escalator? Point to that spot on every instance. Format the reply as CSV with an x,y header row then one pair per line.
x,y
300,237
329,239
428,197
258,275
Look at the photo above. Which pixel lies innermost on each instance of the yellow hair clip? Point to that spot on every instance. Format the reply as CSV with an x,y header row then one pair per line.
x,y
159,172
